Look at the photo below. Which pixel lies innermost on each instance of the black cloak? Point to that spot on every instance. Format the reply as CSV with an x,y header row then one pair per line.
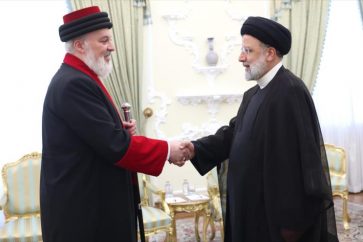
x,y
278,176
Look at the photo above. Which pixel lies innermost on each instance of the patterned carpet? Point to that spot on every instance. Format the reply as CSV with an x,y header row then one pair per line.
x,y
355,231
185,226
186,233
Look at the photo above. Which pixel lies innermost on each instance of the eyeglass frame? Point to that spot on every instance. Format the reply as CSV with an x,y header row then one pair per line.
x,y
246,50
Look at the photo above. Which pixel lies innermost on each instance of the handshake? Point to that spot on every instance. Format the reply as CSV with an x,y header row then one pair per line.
x,y
180,152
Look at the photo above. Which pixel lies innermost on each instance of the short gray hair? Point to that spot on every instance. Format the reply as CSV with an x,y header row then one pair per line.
x,y
265,46
69,44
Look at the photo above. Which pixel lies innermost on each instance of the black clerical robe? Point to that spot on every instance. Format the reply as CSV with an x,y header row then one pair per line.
x,y
276,178
87,190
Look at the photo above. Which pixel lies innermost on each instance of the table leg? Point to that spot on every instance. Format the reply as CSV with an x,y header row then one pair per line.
x,y
196,226
208,220
213,228
173,226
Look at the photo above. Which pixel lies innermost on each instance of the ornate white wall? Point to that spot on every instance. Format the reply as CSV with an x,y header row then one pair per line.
x,y
190,99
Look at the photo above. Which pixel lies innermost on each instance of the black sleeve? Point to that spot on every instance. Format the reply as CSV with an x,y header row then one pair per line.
x,y
213,149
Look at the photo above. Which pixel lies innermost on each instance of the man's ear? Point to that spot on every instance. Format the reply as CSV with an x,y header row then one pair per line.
x,y
271,54
79,45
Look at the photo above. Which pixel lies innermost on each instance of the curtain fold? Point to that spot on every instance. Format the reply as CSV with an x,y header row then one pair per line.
x,y
307,21
360,2
125,81
338,92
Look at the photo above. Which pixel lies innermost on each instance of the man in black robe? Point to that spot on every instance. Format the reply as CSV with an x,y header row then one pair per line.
x,y
278,184
90,156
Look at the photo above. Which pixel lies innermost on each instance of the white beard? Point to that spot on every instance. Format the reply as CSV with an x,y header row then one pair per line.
x,y
256,70
99,66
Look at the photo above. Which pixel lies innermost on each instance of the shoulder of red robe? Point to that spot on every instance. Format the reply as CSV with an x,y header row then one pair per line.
x,y
145,155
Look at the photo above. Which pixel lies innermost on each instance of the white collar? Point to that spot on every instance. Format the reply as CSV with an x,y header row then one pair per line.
x,y
265,80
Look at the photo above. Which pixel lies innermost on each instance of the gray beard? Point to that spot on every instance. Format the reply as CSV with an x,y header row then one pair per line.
x,y
256,70
99,66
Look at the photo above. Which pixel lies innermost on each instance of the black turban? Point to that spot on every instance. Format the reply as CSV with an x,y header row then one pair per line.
x,y
269,32
83,21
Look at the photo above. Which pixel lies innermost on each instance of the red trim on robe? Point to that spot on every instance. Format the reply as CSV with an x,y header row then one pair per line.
x,y
143,154
141,147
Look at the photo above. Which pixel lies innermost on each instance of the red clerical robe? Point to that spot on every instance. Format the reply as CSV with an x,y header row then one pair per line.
x,y
86,190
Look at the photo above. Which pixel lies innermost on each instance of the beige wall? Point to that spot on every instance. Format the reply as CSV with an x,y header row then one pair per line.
x,y
172,72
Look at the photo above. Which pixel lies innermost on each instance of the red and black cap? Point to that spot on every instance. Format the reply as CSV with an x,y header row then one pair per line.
x,y
83,21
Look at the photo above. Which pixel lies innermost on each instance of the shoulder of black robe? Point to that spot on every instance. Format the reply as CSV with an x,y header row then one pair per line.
x,y
297,182
83,106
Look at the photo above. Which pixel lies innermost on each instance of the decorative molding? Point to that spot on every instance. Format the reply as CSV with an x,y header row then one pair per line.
x,y
193,132
231,42
189,99
187,41
162,112
179,15
213,102
179,39
210,72
189,131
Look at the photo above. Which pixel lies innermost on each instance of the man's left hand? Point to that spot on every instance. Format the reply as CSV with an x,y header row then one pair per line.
x,y
130,126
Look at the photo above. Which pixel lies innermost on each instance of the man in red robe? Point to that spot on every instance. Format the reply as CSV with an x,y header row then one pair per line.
x,y
90,157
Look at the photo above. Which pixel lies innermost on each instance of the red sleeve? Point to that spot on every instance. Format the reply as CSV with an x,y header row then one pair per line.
x,y
145,155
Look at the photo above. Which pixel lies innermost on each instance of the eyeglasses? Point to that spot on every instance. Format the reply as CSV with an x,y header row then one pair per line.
x,y
245,51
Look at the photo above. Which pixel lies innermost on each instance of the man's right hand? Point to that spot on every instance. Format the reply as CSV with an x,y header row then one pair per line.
x,y
187,145
180,152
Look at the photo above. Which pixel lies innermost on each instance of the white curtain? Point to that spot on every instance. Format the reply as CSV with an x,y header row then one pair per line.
x,y
338,93
361,8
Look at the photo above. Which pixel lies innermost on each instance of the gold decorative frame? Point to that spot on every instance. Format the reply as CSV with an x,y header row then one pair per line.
x,y
214,195
151,188
198,207
342,173
8,215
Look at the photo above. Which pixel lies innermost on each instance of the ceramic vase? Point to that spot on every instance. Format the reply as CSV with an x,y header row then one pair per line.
x,y
211,57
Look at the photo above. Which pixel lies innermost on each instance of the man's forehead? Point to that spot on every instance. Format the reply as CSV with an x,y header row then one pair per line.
x,y
250,40
100,33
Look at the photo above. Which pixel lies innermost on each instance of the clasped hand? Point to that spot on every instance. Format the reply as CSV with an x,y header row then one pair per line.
x,y
180,152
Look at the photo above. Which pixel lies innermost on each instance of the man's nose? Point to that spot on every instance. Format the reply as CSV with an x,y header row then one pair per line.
x,y
111,46
242,57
